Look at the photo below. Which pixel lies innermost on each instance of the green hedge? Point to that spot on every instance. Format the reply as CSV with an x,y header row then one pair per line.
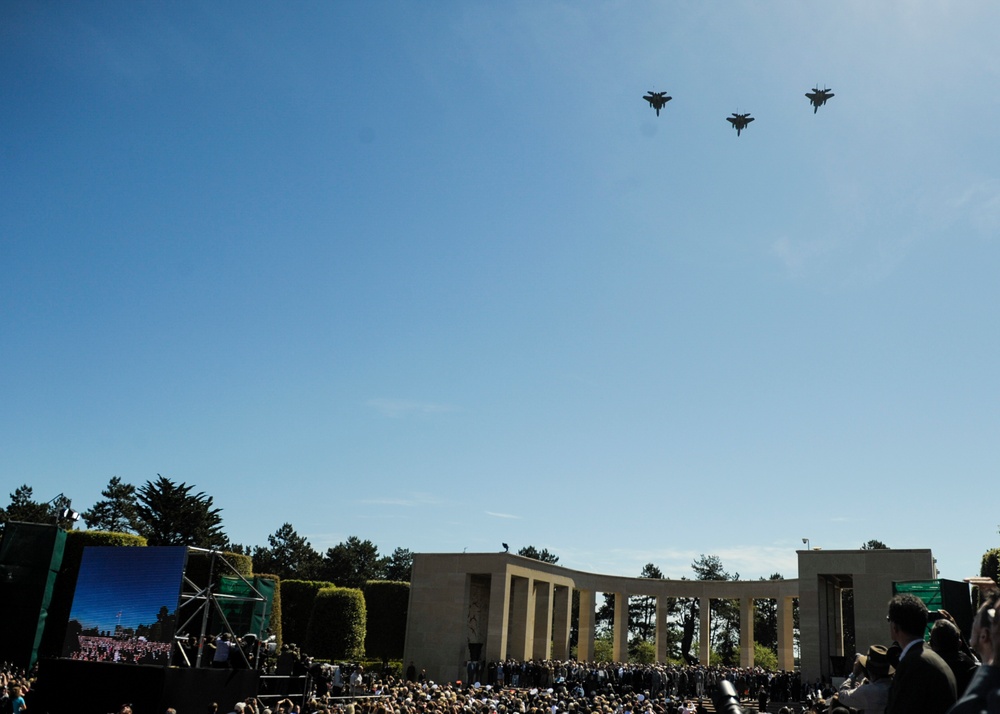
x,y
198,564
386,603
275,623
337,626
297,598
989,567
62,594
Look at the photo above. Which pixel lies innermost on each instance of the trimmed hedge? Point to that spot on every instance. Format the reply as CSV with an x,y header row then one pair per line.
x,y
297,597
386,602
337,626
198,565
275,622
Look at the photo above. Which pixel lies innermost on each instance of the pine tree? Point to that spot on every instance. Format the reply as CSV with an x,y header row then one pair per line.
x,y
25,509
169,514
352,563
117,512
396,566
288,555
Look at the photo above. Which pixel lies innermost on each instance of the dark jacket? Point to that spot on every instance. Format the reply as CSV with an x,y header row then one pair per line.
x,y
923,683
976,699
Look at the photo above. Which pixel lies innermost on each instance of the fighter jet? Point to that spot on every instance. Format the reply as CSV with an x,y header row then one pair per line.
x,y
657,100
818,97
739,121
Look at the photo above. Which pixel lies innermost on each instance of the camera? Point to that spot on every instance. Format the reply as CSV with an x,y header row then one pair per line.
x,y
726,700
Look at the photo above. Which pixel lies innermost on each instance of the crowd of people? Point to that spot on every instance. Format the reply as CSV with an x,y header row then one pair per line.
x,y
947,675
14,684
127,650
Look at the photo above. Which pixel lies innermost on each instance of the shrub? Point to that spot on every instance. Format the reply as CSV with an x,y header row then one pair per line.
x,y
765,657
198,564
386,603
275,614
297,598
337,626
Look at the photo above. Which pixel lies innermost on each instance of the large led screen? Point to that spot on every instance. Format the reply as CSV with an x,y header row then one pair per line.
x,y
125,605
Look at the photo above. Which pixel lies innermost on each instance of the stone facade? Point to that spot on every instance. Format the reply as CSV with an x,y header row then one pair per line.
x,y
505,605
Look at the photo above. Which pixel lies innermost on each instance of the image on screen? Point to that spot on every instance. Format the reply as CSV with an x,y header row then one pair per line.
x,y
125,605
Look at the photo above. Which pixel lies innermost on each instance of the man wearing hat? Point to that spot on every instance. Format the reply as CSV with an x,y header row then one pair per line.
x,y
867,689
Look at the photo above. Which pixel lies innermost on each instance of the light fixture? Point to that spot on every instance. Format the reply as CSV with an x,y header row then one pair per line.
x,y
68,514
806,542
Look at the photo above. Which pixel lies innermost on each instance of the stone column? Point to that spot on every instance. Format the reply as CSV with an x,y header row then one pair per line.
x,y
746,631
838,620
585,645
542,635
786,650
823,610
562,607
496,639
522,618
621,627
661,628
705,633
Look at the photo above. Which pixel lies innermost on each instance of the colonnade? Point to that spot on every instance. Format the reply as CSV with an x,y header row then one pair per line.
x,y
493,606
531,616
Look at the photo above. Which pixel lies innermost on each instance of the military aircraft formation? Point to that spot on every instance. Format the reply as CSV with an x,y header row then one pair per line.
x,y
817,97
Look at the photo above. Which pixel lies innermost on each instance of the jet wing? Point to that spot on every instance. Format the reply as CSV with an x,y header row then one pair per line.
x,y
748,119
731,121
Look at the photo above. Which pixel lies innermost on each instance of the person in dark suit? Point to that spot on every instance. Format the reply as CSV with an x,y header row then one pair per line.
x,y
923,683
983,690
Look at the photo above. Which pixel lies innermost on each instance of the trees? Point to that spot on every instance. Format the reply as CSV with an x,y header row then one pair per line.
x,y
530,551
288,555
724,612
24,508
874,545
350,564
396,566
117,513
642,609
169,514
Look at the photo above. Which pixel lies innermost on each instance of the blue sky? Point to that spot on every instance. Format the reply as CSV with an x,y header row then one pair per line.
x,y
433,274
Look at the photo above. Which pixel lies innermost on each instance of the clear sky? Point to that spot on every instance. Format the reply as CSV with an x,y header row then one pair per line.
x,y
433,273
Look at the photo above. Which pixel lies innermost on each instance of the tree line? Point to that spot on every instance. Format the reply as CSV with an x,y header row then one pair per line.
x,y
165,512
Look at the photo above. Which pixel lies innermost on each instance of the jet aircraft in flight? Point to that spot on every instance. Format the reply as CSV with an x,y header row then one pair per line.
x,y
818,97
739,121
657,100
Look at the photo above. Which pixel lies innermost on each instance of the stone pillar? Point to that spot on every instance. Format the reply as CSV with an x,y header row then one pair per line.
x,y
786,650
585,645
823,610
562,607
621,627
838,620
496,638
705,633
522,618
746,631
661,628
542,635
